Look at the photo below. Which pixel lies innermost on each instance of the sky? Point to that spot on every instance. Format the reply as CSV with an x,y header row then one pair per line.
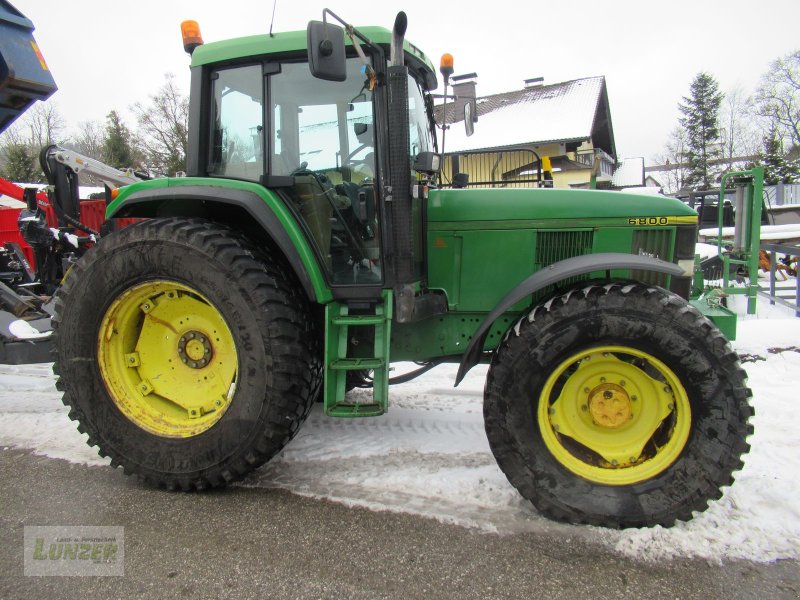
x,y
107,55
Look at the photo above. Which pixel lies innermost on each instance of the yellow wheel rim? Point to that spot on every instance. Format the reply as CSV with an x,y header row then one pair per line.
x,y
614,415
167,358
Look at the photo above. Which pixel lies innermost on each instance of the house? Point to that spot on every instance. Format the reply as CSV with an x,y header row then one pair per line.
x,y
629,174
569,123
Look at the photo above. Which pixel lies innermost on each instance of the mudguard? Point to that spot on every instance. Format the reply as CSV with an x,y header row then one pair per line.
x,y
571,267
147,202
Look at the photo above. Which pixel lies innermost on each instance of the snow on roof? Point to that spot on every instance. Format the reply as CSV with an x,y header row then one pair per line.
x,y
534,115
629,173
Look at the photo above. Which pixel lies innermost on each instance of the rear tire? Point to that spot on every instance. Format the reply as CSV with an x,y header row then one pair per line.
x,y
617,405
186,354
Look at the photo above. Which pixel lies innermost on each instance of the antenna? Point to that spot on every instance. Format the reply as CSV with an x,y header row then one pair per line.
x,y
272,22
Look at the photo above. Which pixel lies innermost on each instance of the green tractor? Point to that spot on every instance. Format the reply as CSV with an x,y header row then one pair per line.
x,y
309,247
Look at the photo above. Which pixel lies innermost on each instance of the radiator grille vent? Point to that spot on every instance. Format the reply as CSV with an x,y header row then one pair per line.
x,y
655,243
553,246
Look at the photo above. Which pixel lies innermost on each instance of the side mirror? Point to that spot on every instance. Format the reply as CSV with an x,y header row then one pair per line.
x,y
464,90
469,123
427,162
326,55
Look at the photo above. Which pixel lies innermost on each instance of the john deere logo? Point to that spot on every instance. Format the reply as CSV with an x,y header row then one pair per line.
x,y
76,550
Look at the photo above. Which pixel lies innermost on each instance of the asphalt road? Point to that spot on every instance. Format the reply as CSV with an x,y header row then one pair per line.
x,y
264,543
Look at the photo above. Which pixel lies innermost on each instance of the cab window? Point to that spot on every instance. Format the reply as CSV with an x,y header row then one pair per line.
x,y
322,135
237,123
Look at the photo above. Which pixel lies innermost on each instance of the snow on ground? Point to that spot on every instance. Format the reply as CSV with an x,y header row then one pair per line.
x,y
429,456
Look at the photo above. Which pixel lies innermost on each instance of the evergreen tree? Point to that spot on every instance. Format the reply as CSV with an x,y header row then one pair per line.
x,y
118,148
701,122
20,163
778,167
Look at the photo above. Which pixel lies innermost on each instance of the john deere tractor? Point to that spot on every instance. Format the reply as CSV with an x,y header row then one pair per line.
x,y
310,246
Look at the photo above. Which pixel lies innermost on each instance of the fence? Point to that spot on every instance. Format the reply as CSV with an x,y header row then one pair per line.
x,y
788,293
509,168
782,194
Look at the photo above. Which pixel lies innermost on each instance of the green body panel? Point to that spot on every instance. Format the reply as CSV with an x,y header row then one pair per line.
x,y
287,42
526,207
483,243
445,335
722,317
321,290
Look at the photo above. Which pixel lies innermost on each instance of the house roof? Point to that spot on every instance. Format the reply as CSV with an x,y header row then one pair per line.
x,y
629,173
568,112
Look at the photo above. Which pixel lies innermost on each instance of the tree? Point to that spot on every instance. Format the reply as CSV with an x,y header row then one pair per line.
x,y
118,144
777,167
701,122
164,126
41,126
674,157
19,159
45,124
89,140
740,139
778,96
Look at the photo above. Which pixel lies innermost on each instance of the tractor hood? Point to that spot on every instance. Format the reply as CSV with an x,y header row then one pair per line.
x,y
571,207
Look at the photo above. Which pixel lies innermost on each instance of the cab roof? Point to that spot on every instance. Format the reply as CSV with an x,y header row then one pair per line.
x,y
293,41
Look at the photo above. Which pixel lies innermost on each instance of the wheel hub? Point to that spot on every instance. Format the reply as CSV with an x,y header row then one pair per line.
x,y
195,350
168,358
614,415
610,405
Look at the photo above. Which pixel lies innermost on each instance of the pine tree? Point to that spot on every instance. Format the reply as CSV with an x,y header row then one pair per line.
x,y
118,150
701,122
778,167
20,163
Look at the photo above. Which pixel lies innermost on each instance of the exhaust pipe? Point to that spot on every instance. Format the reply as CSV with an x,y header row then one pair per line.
x,y
398,34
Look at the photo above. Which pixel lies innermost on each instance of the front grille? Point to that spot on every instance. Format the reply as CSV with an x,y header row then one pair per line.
x,y
553,246
655,243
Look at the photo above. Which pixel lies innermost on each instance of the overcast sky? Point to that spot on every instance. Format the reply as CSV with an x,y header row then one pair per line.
x,y
107,54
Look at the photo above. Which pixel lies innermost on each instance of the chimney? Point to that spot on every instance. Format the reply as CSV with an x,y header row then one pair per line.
x,y
464,91
534,82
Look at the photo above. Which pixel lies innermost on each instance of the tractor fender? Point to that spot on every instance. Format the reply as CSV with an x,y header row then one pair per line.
x,y
149,202
564,269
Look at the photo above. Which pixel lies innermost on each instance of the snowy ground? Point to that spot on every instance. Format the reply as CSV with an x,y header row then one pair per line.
x,y
429,456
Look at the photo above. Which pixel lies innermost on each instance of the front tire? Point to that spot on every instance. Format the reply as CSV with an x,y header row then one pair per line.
x,y
617,405
184,352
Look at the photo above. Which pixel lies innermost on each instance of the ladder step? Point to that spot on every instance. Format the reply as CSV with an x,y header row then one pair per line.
x,y
357,364
359,320
343,409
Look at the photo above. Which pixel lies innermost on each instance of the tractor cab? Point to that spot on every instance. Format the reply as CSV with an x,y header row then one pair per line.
x,y
321,142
